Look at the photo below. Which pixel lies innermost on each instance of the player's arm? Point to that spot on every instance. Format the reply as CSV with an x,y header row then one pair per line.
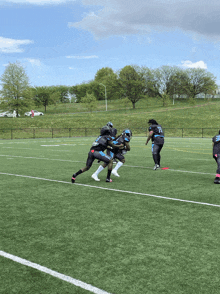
x,y
127,146
110,143
149,137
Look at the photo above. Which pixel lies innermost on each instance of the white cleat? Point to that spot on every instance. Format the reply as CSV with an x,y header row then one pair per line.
x,y
94,176
115,173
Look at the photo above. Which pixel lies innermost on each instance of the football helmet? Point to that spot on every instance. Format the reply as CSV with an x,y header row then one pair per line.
x,y
106,130
127,132
109,124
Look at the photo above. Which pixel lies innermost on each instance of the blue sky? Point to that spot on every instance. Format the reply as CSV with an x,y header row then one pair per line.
x,y
65,42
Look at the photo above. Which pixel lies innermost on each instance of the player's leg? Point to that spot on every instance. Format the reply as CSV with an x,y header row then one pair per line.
x,y
121,161
217,178
89,163
155,153
158,154
101,156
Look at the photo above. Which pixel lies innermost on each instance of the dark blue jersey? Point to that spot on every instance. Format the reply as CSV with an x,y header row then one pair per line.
x,y
101,143
158,134
216,147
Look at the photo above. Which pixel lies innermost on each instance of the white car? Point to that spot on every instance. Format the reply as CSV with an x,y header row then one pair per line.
x,y
36,113
7,114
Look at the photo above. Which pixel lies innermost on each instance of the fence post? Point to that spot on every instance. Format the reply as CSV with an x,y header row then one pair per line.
x,y
33,133
11,134
202,132
69,132
85,132
52,133
182,133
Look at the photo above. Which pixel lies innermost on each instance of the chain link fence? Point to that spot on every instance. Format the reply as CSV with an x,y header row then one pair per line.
x,y
34,133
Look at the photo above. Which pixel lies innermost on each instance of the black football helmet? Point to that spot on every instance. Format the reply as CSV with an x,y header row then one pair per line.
x,y
106,130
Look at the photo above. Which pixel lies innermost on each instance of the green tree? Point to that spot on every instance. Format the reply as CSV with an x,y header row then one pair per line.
x,y
200,81
132,84
109,78
46,96
62,93
16,92
90,102
79,91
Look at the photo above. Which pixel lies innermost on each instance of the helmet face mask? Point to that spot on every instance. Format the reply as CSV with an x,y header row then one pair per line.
x,y
109,124
127,133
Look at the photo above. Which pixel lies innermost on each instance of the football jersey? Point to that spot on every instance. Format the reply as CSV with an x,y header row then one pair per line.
x,y
101,143
121,140
216,147
158,134
113,132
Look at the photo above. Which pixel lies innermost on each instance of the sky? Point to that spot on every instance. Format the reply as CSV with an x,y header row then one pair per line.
x,y
61,42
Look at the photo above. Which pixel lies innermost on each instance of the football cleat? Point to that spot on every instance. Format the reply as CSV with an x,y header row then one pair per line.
x,y
94,176
108,180
217,180
156,167
73,180
114,172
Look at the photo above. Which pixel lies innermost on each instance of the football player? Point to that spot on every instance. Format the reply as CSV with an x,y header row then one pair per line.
x,y
96,152
216,156
113,135
156,135
124,140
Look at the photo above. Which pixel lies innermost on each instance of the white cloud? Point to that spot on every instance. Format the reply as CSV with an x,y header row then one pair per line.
x,y
12,46
35,62
121,17
198,64
83,57
34,2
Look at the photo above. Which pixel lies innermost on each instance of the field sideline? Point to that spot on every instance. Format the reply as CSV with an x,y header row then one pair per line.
x,y
146,232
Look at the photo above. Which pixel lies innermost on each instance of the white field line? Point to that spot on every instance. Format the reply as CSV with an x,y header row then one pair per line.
x,y
135,166
53,273
114,190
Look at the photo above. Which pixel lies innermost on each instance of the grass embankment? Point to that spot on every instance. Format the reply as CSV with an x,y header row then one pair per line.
x,y
181,115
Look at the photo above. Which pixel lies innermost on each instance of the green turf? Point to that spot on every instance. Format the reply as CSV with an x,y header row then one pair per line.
x,y
117,241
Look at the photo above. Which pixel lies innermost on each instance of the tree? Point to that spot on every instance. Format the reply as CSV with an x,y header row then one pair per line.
x,y
46,96
90,102
109,78
200,81
132,83
16,92
79,91
62,93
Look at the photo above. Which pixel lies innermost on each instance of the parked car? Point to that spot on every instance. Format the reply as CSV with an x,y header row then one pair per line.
x,y
7,114
36,113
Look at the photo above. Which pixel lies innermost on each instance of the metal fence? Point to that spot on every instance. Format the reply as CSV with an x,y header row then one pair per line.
x,y
34,133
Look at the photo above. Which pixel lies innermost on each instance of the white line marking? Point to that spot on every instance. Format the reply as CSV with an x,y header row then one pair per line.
x,y
55,274
114,190
136,166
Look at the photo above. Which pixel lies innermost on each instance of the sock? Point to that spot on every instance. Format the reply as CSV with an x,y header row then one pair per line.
x,y
100,168
217,175
78,173
109,174
119,164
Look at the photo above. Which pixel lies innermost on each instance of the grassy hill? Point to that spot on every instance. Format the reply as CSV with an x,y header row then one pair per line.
x,y
205,114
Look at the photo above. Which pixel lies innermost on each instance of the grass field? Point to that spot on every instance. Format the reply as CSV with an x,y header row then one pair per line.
x,y
147,232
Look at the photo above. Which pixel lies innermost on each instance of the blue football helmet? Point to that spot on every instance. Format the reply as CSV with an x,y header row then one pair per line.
x,y
109,124
127,133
